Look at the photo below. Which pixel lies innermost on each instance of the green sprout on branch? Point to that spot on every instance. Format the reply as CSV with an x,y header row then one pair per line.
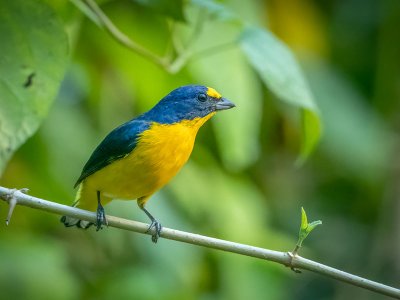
x,y
305,229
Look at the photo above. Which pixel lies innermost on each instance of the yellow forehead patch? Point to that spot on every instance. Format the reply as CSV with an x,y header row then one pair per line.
x,y
213,93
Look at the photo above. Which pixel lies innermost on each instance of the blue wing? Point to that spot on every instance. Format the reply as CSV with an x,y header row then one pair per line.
x,y
118,143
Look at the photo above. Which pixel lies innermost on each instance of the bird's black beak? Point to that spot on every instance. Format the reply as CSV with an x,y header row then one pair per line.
x,y
223,104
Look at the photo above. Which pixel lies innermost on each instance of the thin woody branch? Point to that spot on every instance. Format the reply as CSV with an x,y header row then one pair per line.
x,y
285,258
104,22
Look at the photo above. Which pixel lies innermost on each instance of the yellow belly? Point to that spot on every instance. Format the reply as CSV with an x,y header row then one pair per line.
x,y
151,164
160,153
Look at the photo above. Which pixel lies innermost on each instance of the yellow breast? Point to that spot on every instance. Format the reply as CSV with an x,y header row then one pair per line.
x,y
160,153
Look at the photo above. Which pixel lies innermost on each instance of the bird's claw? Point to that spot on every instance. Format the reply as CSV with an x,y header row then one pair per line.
x,y
100,218
157,230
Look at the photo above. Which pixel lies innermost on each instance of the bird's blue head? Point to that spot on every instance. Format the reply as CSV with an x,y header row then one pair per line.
x,y
187,103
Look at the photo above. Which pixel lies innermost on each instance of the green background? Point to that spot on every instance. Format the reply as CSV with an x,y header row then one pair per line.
x,y
242,182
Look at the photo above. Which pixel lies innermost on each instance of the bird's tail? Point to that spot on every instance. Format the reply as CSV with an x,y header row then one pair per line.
x,y
84,200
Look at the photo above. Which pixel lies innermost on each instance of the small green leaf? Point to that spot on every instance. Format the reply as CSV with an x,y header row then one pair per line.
x,y
305,229
312,225
169,8
304,222
280,71
32,64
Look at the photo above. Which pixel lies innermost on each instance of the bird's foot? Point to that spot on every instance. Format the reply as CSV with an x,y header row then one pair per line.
x,y
157,230
100,218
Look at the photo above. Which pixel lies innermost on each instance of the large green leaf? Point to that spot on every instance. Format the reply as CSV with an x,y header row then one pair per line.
x,y
33,58
280,71
236,136
230,74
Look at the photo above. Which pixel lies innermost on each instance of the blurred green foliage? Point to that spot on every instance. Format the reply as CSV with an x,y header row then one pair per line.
x,y
241,182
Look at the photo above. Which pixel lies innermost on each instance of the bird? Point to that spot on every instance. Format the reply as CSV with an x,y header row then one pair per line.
x,y
139,157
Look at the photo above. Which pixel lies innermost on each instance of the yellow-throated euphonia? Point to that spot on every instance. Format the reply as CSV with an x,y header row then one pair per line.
x,y
139,157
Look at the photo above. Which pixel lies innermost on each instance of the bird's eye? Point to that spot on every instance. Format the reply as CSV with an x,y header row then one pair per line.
x,y
202,97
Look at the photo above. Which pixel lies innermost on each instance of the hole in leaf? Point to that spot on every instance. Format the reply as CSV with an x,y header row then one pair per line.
x,y
29,80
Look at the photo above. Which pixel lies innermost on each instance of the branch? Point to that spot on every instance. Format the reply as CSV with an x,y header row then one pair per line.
x,y
287,259
104,22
